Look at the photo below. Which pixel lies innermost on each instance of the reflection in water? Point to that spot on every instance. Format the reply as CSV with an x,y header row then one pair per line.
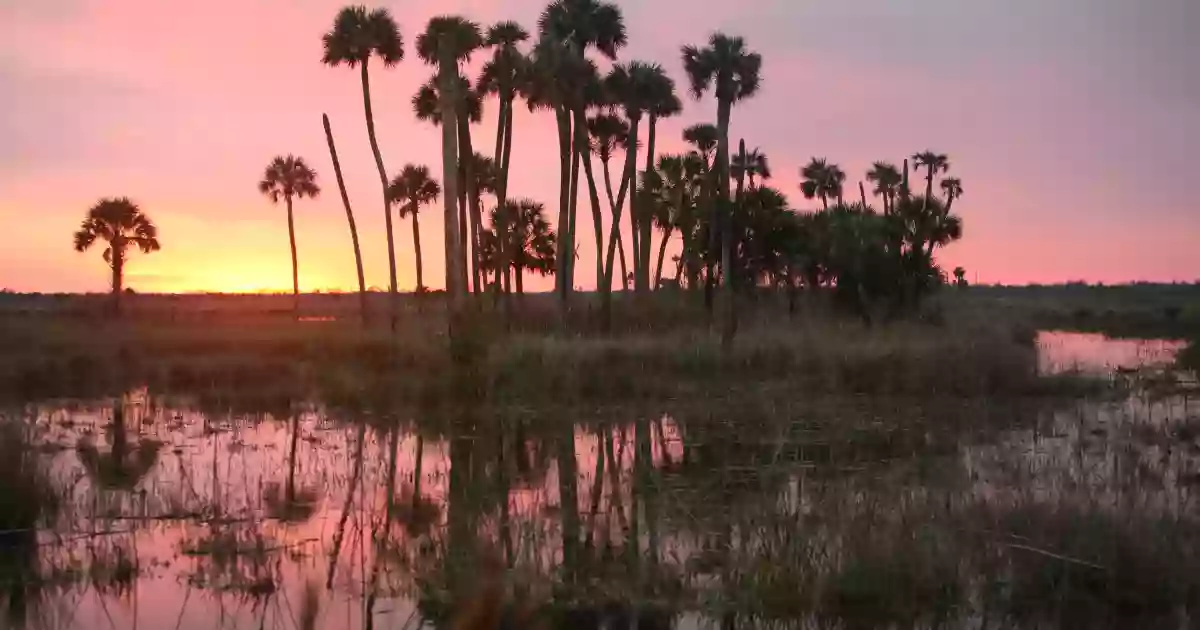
x,y
834,513
1061,351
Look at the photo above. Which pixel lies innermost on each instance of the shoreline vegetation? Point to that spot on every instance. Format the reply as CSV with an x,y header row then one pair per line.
x,y
972,343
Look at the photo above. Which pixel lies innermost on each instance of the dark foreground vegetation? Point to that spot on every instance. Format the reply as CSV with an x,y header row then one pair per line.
x,y
822,472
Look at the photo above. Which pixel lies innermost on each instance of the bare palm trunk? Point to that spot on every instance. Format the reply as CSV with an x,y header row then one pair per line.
x,y
467,156
337,170
644,237
295,268
417,248
662,250
501,191
383,182
615,229
583,153
572,217
905,191
454,259
862,193
730,321
562,286
520,276
339,534
118,273
620,239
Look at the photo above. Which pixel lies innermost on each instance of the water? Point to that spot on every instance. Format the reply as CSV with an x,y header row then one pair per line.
x,y
839,512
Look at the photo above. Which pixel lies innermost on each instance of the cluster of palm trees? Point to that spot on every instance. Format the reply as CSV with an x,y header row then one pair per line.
x,y
734,229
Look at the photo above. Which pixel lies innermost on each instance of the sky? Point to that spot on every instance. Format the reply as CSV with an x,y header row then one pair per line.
x,y
1070,122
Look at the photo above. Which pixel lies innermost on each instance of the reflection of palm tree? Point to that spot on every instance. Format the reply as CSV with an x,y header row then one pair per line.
x,y
120,223
120,468
358,35
411,189
290,177
28,501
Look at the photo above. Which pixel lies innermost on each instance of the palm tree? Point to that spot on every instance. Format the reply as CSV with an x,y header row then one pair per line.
x,y
357,35
569,28
337,171
952,186
663,103
469,109
531,240
634,87
887,180
121,223
609,133
447,42
411,189
822,180
290,177
703,138
733,71
753,164
960,277
503,75
673,184
932,163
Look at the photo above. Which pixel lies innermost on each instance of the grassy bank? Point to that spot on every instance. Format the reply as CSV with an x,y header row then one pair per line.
x,y
662,346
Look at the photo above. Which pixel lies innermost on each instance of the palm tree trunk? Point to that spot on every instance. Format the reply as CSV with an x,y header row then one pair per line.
x,y
383,182
824,201
295,269
644,221
418,472
417,248
862,193
118,273
337,170
929,183
730,321
454,272
905,191
615,229
620,240
519,273
662,250
562,284
501,191
469,196
583,153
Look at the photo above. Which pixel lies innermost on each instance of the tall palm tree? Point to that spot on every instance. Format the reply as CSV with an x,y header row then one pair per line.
x,y
932,163
503,75
634,88
358,35
571,28
704,138
290,177
952,187
411,189
734,73
609,133
122,224
468,109
448,42
753,164
822,180
663,103
887,180
337,171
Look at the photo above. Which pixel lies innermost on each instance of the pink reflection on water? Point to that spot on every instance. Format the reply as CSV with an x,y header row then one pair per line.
x,y
1060,351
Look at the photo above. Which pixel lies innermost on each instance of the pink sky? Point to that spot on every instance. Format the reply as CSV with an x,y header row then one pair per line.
x,y
1070,123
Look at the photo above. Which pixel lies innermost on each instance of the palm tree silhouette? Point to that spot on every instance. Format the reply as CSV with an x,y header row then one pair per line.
x,y
609,133
121,223
568,29
733,72
671,184
289,177
447,42
337,171
411,189
531,240
357,35
822,180
753,164
952,187
932,163
503,75
887,180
